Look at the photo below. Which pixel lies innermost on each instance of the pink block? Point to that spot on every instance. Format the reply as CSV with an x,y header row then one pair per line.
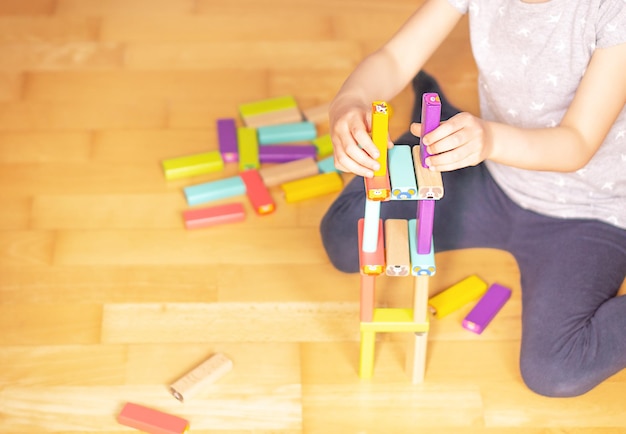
x,y
151,421
214,215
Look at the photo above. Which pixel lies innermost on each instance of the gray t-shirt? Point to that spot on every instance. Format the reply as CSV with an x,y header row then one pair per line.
x,y
531,58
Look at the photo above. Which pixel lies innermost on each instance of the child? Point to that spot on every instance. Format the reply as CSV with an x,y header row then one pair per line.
x,y
541,174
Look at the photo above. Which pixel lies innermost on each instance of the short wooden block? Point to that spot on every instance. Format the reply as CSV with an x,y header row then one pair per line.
x,y
392,320
378,188
402,174
371,226
421,264
285,153
429,182
151,421
324,146
367,352
192,165
425,218
214,190
267,106
215,215
416,357
317,114
206,373
277,117
313,186
431,117
457,296
257,192
380,134
368,297
486,308
397,250
287,133
248,148
372,263
286,172
227,139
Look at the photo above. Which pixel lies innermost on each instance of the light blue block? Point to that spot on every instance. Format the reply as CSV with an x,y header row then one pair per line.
x,y
370,225
286,133
402,173
327,165
214,190
421,265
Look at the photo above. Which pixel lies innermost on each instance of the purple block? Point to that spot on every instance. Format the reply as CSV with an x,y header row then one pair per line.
x,y
425,217
285,153
227,138
431,117
486,308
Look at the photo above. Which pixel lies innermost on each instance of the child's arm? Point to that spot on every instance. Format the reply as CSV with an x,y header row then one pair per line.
x,y
466,140
381,76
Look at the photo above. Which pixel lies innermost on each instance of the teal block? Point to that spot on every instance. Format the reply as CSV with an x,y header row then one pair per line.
x,y
327,165
402,173
421,264
287,133
214,190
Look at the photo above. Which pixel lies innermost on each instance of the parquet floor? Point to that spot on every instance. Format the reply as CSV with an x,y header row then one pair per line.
x,y
106,298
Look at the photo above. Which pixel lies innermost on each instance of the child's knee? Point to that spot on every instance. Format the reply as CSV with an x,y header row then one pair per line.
x,y
551,376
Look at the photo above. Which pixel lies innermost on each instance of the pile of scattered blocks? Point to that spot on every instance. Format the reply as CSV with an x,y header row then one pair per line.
x,y
275,131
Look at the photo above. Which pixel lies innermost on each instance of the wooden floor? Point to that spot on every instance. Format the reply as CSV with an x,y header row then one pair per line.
x,y
106,298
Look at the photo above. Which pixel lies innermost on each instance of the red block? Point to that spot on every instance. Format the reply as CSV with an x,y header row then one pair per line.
x,y
372,263
151,421
214,215
257,192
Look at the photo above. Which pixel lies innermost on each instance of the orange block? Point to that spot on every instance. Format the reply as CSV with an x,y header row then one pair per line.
x,y
372,263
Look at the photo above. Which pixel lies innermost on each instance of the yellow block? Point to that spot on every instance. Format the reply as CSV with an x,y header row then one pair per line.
x,y
457,296
380,134
366,362
312,186
391,320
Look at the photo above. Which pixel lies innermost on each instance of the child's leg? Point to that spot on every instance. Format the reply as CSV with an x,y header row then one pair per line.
x,y
573,326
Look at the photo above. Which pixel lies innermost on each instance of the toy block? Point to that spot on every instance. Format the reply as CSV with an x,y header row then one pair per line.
x,y
421,265
397,248
457,296
227,139
420,299
486,308
192,165
380,134
257,192
214,215
402,173
324,145
214,190
205,373
285,153
368,297
327,165
416,359
286,133
372,263
313,186
429,182
366,358
285,172
394,320
378,188
248,148
370,226
272,111
431,117
317,114
151,421
425,217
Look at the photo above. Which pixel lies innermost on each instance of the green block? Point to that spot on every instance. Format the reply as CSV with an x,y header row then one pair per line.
x,y
192,165
267,105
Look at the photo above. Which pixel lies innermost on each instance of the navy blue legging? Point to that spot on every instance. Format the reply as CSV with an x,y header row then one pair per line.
x,y
573,325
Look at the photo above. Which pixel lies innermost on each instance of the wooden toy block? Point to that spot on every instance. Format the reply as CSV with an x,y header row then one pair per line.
x,y
457,296
151,421
214,190
402,173
313,186
324,145
214,215
287,133
272,111
206,373
227,139
257,192
431,117
416,359
192,165
380,134
368,297
366,358
486,308
248,148
281,173
370,226
397,248
327,165
372,263
317,114
429,182
394,320
425,217
378,188
421,265
285,153
420,299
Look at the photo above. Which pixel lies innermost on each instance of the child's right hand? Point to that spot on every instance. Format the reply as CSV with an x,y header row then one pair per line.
x,y
353,148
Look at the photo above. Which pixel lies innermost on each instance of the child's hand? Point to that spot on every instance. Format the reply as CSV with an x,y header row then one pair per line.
x,y
352,145
461,141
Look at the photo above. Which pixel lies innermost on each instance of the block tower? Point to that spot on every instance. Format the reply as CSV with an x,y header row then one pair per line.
x,y
401,248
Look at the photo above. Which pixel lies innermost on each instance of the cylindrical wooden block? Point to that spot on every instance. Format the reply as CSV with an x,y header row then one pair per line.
x,y
207,372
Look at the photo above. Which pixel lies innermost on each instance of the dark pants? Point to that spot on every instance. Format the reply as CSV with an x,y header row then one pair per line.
x,y
573,326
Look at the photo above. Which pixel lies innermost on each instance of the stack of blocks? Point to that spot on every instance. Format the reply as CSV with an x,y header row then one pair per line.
x,y
398,247
276,132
